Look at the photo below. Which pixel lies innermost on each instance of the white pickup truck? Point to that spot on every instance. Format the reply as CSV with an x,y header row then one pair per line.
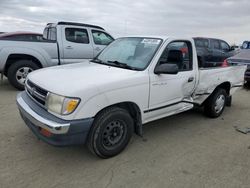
x,y
64,43
133,81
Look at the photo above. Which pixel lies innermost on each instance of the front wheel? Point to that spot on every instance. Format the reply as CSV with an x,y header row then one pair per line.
x,y
18,71
111,132
216,103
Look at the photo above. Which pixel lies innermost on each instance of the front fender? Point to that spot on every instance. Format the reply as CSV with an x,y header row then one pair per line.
x,y
135,94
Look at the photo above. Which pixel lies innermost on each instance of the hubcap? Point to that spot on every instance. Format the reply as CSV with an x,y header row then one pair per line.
x,y
22,74
113,134
219,103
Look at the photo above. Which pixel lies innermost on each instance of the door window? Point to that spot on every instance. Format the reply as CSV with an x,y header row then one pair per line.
x,y
179,53
201,43
101,38
216,44
77,35
224,46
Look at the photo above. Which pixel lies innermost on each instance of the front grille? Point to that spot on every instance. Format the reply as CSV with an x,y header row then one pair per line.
x,y
36,92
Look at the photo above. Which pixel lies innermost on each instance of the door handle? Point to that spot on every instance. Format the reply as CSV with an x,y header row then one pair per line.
x,y
69,47
97,48
190,79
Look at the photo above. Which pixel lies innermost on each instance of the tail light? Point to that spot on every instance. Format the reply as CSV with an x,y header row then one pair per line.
x,y
225,63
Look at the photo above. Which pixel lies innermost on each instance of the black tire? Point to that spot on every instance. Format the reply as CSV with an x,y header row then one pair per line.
x,y
17,66
247,84
210,107
229,101
105,131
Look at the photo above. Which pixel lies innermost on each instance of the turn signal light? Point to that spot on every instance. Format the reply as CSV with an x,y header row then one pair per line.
x,y
71,105
45,132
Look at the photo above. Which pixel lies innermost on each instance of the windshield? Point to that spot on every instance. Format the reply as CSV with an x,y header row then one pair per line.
x,y
133,52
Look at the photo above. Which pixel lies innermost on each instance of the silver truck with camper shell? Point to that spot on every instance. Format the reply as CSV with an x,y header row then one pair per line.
x,y
64,43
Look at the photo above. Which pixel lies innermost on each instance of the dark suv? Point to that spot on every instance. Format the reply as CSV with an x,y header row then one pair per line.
x,y
212,52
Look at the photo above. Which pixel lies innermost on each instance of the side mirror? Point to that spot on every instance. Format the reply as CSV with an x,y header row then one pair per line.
x,y
232,48
166,69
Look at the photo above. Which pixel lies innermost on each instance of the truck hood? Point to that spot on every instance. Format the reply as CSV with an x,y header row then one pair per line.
x,y
73,79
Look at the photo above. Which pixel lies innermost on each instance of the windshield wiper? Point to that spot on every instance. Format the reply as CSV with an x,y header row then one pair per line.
x,y
123,65
96,60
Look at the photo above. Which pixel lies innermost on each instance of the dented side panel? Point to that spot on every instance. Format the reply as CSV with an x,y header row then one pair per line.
x,y
209,79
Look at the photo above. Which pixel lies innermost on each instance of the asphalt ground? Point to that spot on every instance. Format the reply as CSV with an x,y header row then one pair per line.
x,y
185,150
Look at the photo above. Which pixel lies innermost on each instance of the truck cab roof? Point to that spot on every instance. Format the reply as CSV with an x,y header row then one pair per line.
x,y
163,37
75,24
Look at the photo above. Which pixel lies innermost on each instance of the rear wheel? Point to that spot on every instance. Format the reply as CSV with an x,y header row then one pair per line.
x,y
247,84
111,132
18,71
229,101
215,104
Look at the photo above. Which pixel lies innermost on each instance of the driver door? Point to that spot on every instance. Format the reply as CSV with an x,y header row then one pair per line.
x,y
100,41
76,45
167,91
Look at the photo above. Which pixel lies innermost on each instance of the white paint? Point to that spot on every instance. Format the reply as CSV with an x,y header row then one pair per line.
x,y
100,86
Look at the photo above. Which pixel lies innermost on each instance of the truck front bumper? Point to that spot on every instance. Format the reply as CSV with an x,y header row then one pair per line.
x,y
59,132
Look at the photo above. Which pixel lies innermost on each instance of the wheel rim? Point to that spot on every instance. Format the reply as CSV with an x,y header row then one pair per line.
x,y
22,74
219,103
113,134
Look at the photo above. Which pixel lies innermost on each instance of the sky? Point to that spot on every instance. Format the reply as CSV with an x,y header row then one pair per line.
x,y
224,19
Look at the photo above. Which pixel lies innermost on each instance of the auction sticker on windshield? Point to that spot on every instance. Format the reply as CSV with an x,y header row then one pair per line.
x,y
151,41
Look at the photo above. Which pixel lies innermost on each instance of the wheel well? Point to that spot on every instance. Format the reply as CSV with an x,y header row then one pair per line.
x,y
15,57
134,111
226,86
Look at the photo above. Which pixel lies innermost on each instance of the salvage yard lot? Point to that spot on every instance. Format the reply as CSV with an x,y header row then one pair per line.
x,y
186,150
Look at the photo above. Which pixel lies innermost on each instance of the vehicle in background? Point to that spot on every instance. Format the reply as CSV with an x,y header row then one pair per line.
x,y
242,58
135,80
212,52
246,45
22,36
236,48
63,43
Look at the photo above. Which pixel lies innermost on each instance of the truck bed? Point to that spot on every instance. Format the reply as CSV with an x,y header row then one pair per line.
x,y
210,78
42,49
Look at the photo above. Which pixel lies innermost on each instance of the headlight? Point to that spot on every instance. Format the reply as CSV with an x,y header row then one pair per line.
x,y
61,105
